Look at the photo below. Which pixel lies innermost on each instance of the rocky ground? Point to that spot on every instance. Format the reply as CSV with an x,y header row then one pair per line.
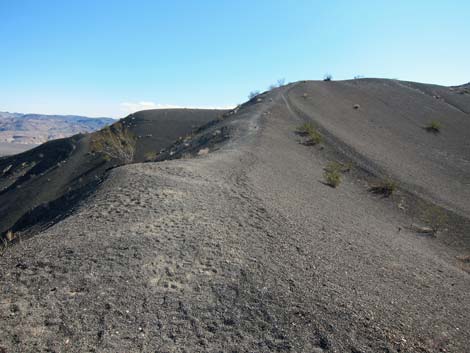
x,y
243,249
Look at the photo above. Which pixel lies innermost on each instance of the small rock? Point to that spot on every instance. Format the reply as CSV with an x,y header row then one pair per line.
x,y
22,266
203,152
7,169
422,229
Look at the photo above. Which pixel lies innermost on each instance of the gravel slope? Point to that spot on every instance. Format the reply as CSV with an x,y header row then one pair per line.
x,y
240,250
388,131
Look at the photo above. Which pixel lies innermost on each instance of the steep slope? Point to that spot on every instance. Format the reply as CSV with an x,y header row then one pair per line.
x,y
245,249
388,132
39,128
39,185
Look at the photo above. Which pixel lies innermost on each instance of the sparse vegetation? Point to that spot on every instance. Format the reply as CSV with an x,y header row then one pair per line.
x,y
332,174
281,82
309,130
344,167
253,94
434,127
386,188
314,137
150,156
114,142
435,218
305,128
327,78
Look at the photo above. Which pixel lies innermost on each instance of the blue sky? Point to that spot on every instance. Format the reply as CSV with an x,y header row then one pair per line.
x,y
107,58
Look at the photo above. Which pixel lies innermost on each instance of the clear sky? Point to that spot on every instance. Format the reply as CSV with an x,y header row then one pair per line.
x,y
107,58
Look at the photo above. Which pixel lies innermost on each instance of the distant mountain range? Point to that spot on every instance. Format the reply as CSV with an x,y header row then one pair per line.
x,y
39,128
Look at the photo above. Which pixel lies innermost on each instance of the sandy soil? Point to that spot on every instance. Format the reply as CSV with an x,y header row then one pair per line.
x,y
243,249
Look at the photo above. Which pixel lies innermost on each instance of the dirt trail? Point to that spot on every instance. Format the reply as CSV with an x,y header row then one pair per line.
x,y
241,250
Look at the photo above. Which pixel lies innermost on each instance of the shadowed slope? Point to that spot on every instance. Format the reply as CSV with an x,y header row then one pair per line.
x,y
41,184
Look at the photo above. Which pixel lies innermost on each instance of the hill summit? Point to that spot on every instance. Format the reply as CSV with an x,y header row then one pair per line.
x,y
315,217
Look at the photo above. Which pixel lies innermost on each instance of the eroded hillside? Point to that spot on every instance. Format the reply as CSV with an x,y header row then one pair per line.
x,y
235,240
43,184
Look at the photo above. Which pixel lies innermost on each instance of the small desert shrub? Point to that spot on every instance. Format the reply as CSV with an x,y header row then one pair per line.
x,y
253,94
386,188
114,142
281,82
150,156
434,127
305,128
309,130
332,174
314,137
342,167
435,218
327,78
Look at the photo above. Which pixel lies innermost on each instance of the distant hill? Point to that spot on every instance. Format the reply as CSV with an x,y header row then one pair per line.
x,y
39,128
7,148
